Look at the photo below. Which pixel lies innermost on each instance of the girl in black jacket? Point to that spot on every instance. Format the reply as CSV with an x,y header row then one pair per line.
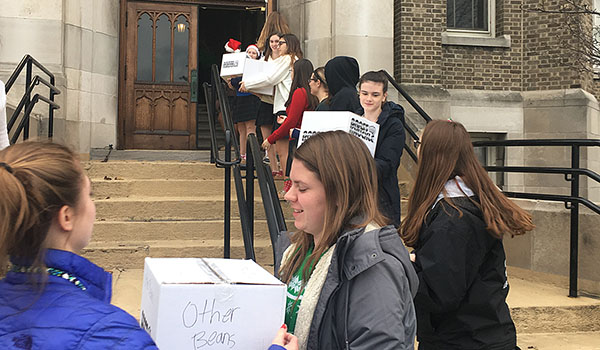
x,y
456,220
390,142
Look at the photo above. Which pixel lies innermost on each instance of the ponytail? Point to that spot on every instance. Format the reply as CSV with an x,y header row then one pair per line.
x,y
37,179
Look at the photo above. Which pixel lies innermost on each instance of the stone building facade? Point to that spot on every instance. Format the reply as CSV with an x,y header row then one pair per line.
x,y
512,80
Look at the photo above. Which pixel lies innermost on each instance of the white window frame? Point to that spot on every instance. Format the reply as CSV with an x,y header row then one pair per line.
x,y
488,37
490,32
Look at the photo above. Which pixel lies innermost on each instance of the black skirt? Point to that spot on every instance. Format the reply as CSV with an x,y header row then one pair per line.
x,y
265,114
245,108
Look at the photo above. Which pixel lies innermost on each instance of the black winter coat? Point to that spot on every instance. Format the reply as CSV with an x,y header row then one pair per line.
x,y
390,144
461,302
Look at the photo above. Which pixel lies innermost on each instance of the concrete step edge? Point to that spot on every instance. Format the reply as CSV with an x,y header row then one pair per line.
x,y
126,245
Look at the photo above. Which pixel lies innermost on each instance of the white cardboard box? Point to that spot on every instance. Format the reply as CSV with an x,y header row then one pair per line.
x,y
210,304
232,64
254,68
319,121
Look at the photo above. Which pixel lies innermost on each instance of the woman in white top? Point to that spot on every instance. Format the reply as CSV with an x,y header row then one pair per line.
x,y
265,117
279,76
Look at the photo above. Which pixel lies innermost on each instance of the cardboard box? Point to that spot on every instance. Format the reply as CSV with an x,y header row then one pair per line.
x,y
211,304
232,64
254,68
315,121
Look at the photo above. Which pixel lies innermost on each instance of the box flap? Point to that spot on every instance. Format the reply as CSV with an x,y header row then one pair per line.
x,y
209,271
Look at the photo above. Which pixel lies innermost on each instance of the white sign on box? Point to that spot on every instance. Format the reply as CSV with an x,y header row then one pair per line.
x,y
232,64
258,68
191,304
319,121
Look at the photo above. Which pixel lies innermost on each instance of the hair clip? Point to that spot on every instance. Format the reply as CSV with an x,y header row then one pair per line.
x,y
7,167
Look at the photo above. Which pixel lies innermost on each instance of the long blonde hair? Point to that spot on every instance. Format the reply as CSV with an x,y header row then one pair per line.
x,y
37,179
446,151
348,173
275,23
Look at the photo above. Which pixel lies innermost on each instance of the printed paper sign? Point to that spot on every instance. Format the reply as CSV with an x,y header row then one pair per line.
x,y
314,122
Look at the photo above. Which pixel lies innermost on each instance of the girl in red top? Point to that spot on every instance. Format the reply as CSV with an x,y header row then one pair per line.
x,y
299,100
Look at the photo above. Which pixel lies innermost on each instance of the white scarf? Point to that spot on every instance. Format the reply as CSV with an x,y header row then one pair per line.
x,y
311,295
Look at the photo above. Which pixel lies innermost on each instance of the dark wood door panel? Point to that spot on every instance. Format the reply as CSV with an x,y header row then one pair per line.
x,y
160,44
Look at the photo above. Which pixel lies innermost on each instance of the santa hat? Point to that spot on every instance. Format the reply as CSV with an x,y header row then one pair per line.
x,y
233,45
255,48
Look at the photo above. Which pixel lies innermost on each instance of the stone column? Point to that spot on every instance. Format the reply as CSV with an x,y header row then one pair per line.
x,y
91,66
357,28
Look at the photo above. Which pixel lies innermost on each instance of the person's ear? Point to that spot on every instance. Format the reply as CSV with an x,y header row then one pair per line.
x,y
65,218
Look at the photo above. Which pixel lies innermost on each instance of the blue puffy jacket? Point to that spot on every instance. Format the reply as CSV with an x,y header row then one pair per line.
x,y
62,316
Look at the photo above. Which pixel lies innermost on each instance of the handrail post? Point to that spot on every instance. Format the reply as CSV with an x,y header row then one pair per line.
x,y
28,102
51,110
250,188
227,219
574,239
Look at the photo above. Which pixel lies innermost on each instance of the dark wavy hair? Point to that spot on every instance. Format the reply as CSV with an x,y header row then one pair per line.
x,y
303,69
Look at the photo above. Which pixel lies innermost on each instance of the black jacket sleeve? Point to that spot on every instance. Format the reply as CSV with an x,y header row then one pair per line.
x,y
389,151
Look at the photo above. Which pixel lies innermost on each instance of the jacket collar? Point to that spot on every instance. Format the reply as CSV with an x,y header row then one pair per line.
x,y
98,282
390,109
359,250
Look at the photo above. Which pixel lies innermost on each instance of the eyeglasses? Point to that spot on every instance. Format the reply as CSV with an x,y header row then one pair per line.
x,y
281,42
316,77
417,143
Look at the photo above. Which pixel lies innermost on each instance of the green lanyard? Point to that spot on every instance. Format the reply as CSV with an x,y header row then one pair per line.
x,y
52,272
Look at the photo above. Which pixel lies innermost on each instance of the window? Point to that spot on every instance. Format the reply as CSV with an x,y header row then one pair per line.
x,y
471,15
472,23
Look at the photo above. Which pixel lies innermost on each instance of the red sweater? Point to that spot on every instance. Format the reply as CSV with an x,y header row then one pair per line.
x,y
294,113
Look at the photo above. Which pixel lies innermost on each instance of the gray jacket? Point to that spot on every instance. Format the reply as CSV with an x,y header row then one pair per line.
x,y
367,299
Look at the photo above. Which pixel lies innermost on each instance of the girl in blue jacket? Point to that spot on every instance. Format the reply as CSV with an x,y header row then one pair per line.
x,y
52,298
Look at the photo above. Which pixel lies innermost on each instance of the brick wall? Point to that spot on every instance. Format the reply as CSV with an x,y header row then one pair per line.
x,y
535,60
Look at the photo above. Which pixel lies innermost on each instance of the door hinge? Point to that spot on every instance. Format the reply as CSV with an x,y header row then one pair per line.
x,y
125,72
126,18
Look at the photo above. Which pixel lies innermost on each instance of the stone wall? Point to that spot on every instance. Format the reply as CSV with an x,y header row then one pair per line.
x,y
91,31
546,248
356,28
526,54
26,28
77,40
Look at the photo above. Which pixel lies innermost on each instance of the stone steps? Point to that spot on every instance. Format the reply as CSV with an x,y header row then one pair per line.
x,y
131,254
168,208
166,170
113,231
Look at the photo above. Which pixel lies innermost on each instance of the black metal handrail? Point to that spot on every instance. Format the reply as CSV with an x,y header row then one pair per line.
x,y
27,101
571,174
273,212
417,108
212,92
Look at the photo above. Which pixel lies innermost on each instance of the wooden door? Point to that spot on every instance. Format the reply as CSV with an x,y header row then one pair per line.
x,y
160,61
